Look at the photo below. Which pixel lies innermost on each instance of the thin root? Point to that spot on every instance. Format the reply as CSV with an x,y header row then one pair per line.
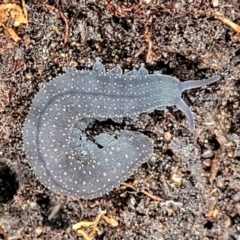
x,y
62,15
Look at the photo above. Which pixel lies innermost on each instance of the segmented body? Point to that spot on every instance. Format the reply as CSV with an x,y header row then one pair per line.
x,y
56,148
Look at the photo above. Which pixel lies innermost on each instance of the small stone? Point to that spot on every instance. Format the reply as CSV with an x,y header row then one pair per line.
x,y
208,154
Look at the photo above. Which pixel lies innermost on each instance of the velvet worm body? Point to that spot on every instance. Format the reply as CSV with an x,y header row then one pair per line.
x,y
63,159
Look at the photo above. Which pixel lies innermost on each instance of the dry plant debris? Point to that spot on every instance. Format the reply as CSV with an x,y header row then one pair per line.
x,y
94,224
228,22
120,11
12,15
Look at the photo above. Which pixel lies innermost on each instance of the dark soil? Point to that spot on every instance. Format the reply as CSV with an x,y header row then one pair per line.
x,y
190,189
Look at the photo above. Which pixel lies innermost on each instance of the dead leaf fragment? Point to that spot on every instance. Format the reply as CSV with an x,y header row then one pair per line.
x,y
13,12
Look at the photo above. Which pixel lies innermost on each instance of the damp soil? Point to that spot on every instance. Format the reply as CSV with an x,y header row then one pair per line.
x,y
189,189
